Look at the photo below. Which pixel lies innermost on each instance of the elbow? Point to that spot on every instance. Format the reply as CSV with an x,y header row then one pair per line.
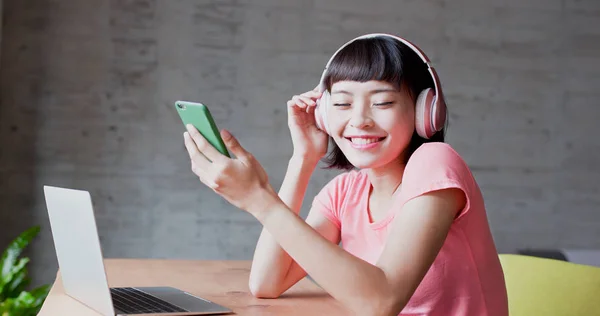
x,y
264,293
260,289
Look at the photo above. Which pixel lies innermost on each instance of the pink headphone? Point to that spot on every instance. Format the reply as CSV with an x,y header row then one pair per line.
x,y
430,110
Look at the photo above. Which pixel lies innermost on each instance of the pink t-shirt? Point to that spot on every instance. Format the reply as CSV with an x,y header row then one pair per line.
x,y
466,278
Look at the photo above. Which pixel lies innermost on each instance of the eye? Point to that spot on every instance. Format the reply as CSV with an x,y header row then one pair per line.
x,y
384,103
341,104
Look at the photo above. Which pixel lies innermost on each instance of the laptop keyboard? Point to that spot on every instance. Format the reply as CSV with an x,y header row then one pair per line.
x,y
133,301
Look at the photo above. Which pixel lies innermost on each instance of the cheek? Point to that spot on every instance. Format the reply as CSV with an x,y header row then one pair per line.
x,y
400,122
402,133
337,120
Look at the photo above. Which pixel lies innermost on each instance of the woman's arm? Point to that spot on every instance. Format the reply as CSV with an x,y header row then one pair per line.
x,y
418,232
273,270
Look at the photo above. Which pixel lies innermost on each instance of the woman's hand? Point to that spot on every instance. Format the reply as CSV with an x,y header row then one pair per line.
x,y
242,181
309,141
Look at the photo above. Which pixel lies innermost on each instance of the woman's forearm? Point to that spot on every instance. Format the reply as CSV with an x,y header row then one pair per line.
x,y
357,284
271,263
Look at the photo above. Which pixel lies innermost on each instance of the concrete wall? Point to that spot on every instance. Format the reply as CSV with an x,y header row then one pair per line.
x,y
87,89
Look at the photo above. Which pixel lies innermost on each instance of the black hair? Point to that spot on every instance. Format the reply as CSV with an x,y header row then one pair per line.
x,y
382,59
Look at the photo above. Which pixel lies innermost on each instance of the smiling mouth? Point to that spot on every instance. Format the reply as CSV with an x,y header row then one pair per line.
x,y
364,141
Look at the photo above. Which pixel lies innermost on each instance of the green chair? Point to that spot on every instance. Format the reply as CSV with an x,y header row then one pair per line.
x,y
548,287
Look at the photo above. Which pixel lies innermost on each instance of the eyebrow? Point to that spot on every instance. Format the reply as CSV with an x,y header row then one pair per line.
x,y
375,91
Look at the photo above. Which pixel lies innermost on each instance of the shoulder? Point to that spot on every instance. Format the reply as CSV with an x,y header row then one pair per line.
x,y
436,156
437,164
436,152
337,193
344,181
344,186
434,167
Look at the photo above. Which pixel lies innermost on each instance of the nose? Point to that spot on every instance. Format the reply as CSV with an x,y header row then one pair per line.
x,y
361,117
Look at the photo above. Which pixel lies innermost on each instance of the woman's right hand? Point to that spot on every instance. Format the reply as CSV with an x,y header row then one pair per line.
x,y
309,141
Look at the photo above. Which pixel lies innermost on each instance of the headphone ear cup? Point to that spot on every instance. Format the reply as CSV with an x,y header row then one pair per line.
x,y
321,112
439,114
423,110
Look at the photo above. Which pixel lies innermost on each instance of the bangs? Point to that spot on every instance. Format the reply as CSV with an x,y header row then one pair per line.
x,y
365,60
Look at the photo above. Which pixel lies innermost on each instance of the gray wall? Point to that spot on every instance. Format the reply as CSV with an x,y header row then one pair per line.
x,y
87,90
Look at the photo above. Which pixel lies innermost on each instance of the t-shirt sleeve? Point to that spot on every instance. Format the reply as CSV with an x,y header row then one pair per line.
x,y
329,201
436,166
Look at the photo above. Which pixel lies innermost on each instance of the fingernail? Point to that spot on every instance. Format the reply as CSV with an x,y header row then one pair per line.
x,y
226,135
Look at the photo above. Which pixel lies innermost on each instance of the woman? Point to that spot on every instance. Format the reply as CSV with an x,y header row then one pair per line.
x,y
409,213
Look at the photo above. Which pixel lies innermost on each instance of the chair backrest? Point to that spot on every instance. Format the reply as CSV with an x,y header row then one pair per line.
x,y
540,286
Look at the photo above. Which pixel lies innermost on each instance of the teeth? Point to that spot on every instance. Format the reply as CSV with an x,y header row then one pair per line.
x,y
364,141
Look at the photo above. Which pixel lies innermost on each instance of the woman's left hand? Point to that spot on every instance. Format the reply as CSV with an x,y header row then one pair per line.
x,y
241,181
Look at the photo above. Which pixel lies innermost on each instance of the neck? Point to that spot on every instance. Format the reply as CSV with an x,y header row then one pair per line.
x,y
386,179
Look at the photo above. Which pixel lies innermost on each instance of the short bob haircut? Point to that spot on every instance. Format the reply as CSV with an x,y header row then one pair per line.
x,y
382,59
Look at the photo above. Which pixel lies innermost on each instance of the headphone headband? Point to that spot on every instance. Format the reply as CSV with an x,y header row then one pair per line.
x,y
412,46
430,108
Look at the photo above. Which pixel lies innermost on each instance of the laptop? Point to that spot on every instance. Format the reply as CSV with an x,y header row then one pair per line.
x,y
82,268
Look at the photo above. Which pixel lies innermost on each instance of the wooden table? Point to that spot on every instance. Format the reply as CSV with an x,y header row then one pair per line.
x,y
223,282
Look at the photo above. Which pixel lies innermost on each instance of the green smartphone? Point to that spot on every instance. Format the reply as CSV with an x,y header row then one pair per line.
x,y
199,116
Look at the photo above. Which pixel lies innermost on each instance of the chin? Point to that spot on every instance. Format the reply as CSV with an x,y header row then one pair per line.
x,y
363,160
367,163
